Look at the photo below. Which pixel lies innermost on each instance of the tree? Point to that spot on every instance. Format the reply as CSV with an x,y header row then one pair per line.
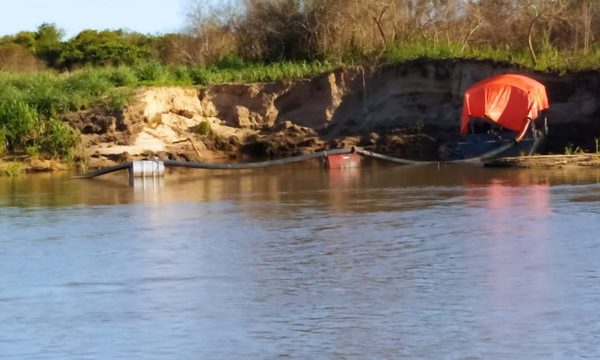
x,y
48,45
108,47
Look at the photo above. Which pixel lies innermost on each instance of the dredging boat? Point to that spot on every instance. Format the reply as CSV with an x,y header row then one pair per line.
x,y
504,111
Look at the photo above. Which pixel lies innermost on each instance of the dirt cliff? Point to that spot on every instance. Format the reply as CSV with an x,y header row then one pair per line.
x,y
405,109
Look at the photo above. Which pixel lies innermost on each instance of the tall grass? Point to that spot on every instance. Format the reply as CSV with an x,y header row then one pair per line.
x,y
548,57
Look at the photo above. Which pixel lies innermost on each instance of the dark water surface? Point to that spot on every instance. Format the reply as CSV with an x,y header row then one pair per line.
x,y
297,262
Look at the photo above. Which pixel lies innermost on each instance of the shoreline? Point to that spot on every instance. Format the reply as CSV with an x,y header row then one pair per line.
x,y
405,110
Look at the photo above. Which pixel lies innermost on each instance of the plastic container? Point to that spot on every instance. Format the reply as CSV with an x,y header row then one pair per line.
x,y
146,168
343,161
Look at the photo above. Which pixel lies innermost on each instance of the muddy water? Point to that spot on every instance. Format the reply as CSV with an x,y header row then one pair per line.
x,y
381,263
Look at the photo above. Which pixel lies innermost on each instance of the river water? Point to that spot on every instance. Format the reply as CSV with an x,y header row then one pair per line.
x,y
382,262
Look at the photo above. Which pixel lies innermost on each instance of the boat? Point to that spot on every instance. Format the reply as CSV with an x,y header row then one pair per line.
x,y
501,115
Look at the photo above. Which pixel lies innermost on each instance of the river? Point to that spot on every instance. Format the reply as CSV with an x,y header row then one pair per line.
x,y
382,262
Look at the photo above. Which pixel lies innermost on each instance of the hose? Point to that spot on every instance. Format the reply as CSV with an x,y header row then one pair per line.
x,y
485,156
254,165
293,159
93,174
222,166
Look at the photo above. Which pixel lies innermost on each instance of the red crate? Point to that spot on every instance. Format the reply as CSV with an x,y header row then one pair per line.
x,y
343,161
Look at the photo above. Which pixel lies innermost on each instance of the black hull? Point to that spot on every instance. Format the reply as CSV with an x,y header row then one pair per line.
x,y
473,146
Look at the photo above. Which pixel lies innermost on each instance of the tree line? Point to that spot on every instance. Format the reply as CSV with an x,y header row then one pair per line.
x,y
335,30
346,29
46,48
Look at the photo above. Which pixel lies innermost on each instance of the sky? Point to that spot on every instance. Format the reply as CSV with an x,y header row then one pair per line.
x,y
145,16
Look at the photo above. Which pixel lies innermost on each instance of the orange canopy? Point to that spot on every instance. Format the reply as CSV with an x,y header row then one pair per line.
x,y
509,100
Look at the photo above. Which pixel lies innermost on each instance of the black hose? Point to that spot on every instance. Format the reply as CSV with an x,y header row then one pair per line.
x,y
254,165
390,158
289,160
223,166
485,156
123,166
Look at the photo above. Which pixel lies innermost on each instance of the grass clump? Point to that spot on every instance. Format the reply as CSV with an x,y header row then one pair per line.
x,y
121,76
571,149
11,169
117,98
58,140
22,128
152,72
204,128
19,125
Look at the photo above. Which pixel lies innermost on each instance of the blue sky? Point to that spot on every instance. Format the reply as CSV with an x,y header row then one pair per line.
x,y
145,16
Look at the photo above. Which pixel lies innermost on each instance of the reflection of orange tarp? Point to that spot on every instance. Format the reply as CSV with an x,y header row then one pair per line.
x,y
509,100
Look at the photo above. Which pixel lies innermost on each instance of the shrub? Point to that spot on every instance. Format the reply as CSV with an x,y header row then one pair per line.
x,y
151,72
58,139
2,141
181,75
44,93
117,98
11,169
204,128
121,76
18,124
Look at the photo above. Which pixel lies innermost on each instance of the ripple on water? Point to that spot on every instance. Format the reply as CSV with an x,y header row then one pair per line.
x,y
398,263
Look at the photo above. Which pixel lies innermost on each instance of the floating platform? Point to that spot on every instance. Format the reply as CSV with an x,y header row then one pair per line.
x,y
547,161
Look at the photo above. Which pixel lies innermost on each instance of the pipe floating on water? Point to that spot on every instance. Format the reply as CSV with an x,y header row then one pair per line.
x,y
156,168
153,168
488,155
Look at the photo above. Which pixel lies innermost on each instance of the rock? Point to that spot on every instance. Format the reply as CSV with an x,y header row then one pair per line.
x,y
243,117
185,113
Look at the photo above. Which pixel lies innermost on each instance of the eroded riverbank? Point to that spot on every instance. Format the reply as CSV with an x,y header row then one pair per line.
x,y
406,110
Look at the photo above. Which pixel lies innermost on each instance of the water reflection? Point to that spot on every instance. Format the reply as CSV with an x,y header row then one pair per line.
x,y
513,219
286,184
147,190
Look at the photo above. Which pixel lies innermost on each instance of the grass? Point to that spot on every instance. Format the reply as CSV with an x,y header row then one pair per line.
x,y
204,128
548,57
11,169
571,149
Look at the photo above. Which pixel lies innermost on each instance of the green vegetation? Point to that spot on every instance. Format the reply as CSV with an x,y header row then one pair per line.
x,y
11,169
204,128
570,149
547,60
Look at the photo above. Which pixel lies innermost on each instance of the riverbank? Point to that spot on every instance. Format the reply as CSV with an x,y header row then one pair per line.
x,y
406,110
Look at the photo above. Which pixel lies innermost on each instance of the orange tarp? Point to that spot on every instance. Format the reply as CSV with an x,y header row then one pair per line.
x,y
509,100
